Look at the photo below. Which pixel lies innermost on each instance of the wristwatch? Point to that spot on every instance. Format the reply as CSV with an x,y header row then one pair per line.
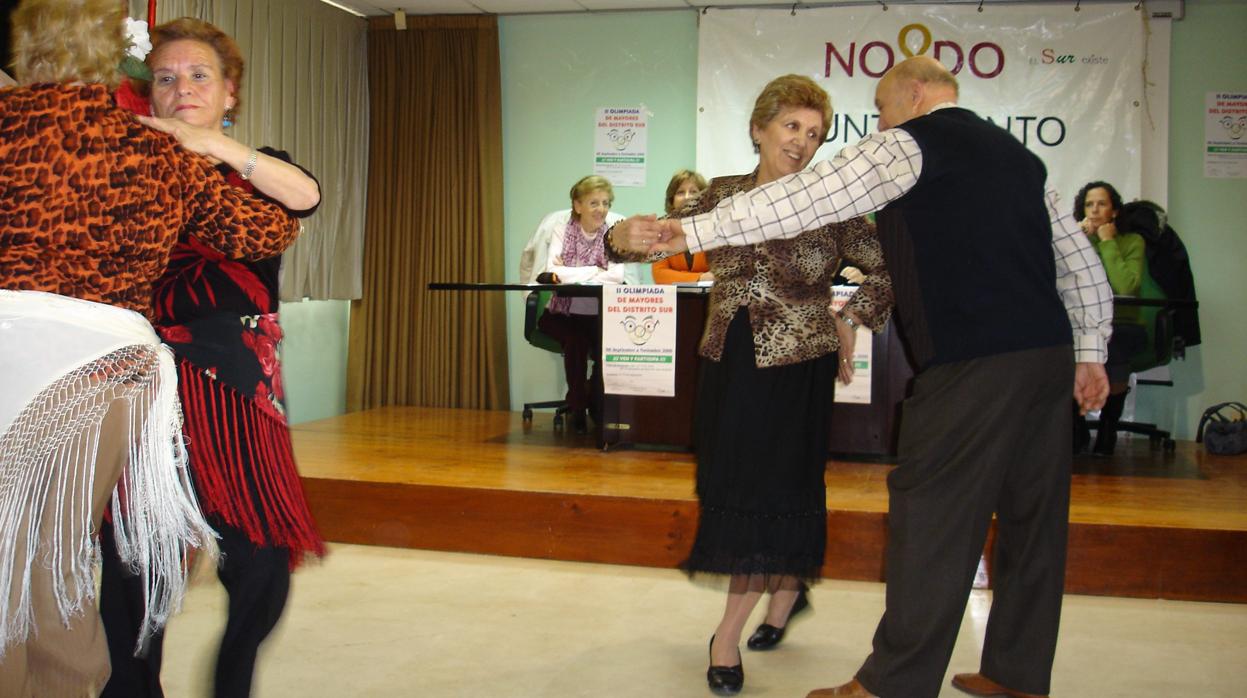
x,y
853,324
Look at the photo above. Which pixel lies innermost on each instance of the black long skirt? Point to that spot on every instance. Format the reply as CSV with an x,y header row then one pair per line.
x,y
762,447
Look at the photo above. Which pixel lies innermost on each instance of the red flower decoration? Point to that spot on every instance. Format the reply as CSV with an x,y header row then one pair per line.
x,y
268,324
132,101
278,391
175,333
266,351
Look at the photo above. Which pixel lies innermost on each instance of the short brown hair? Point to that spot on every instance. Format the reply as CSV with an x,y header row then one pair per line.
x,y
789,92
588,185
69,41
225,48
677,180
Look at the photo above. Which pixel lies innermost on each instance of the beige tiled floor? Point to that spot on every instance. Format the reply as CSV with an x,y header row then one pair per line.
x,y
387,622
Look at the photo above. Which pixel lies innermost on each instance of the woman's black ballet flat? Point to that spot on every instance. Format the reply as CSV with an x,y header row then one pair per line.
x,y
768,637
725,680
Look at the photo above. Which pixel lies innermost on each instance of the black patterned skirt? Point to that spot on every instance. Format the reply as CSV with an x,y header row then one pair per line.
x,y
762,447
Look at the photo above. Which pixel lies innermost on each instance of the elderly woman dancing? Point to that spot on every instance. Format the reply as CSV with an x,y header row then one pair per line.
x,y
771,351
220,318
91,203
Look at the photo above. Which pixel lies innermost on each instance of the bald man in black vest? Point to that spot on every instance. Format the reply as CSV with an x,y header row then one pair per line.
x,y
1006,311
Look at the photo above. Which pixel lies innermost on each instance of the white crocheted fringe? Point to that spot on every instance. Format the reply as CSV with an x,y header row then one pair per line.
x,y
47,477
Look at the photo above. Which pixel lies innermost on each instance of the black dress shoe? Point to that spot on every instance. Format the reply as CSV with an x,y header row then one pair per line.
x,y
724,680
767,636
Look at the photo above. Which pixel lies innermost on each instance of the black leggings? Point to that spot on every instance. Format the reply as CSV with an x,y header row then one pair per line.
x,y
257,580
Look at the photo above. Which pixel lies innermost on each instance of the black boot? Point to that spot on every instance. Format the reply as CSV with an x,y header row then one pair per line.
x,y
1110,415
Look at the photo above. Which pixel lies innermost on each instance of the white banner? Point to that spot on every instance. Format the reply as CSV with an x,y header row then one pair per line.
x,y
619,145
1068,84
1225,135
638,340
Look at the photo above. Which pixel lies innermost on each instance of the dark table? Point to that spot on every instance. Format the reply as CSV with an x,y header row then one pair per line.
x,y
868,431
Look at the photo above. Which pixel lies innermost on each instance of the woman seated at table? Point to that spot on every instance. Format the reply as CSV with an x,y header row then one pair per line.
x,y
1125,261
577,256
684,188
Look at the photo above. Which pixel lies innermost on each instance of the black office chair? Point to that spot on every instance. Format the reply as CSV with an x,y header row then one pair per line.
x,y
1163,347
534,307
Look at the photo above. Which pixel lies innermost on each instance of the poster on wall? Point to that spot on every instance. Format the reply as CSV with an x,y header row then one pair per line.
x,y
857,392
1225,135
1069,85
619,145
638,340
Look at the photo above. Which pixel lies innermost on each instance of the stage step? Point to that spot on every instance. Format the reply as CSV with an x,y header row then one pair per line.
x,y
1152,526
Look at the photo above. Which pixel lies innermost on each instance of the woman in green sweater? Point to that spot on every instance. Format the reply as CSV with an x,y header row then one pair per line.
x,y
1125,262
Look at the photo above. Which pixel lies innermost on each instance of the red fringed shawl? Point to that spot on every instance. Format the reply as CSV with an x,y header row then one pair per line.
x,y
243,464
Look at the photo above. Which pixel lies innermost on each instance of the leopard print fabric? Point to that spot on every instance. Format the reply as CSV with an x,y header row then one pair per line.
x,y
91,201
786,284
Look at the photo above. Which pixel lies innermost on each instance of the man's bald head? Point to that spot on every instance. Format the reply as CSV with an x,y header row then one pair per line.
x,y
911,88
925,70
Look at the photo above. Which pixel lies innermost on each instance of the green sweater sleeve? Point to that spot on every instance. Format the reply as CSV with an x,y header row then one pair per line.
x,y
1124,262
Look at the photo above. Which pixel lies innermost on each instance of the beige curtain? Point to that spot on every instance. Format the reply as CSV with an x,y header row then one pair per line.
x,y
434,214
305,91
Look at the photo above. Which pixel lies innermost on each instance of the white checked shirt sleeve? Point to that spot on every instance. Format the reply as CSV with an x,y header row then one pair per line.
x,y
1083,285
859,179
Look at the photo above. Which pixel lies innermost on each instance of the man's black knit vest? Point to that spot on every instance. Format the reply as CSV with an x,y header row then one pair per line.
x,y
970,246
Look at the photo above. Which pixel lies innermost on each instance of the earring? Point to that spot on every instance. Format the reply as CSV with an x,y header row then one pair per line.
x,y
228,119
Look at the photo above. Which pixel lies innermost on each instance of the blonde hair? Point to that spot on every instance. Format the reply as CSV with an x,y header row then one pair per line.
x,y
69,41
588,185
789,92
225,48
677,180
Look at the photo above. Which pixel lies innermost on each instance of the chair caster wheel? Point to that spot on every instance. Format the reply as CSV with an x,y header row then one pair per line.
x,y
528,416
558,422
1170,445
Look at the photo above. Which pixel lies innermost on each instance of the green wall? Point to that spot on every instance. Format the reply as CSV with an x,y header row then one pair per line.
x,y
1208,55
313,358
557,69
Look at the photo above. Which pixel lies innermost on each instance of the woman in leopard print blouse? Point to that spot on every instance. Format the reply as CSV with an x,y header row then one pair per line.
x,y
773,350
91,204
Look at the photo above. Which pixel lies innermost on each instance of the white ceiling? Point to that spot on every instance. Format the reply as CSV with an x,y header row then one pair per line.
x,y
380,8
510,7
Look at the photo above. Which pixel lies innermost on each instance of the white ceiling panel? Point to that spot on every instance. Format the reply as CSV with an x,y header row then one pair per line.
x,y
735,3
431,7
510,7
600,5
1173,8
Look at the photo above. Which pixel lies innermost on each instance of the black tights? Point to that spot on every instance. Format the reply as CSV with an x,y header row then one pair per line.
x,y
257,580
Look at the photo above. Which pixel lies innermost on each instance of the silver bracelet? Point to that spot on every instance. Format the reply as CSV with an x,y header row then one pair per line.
x,y
853,324
249,169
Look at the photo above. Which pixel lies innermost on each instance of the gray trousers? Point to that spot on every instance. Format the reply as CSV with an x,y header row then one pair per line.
x,y
984,436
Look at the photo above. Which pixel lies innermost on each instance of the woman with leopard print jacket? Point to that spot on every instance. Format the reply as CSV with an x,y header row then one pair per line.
x,y
772,350
91,204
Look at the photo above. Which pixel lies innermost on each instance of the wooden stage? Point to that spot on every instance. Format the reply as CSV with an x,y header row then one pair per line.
x,y
1143,524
